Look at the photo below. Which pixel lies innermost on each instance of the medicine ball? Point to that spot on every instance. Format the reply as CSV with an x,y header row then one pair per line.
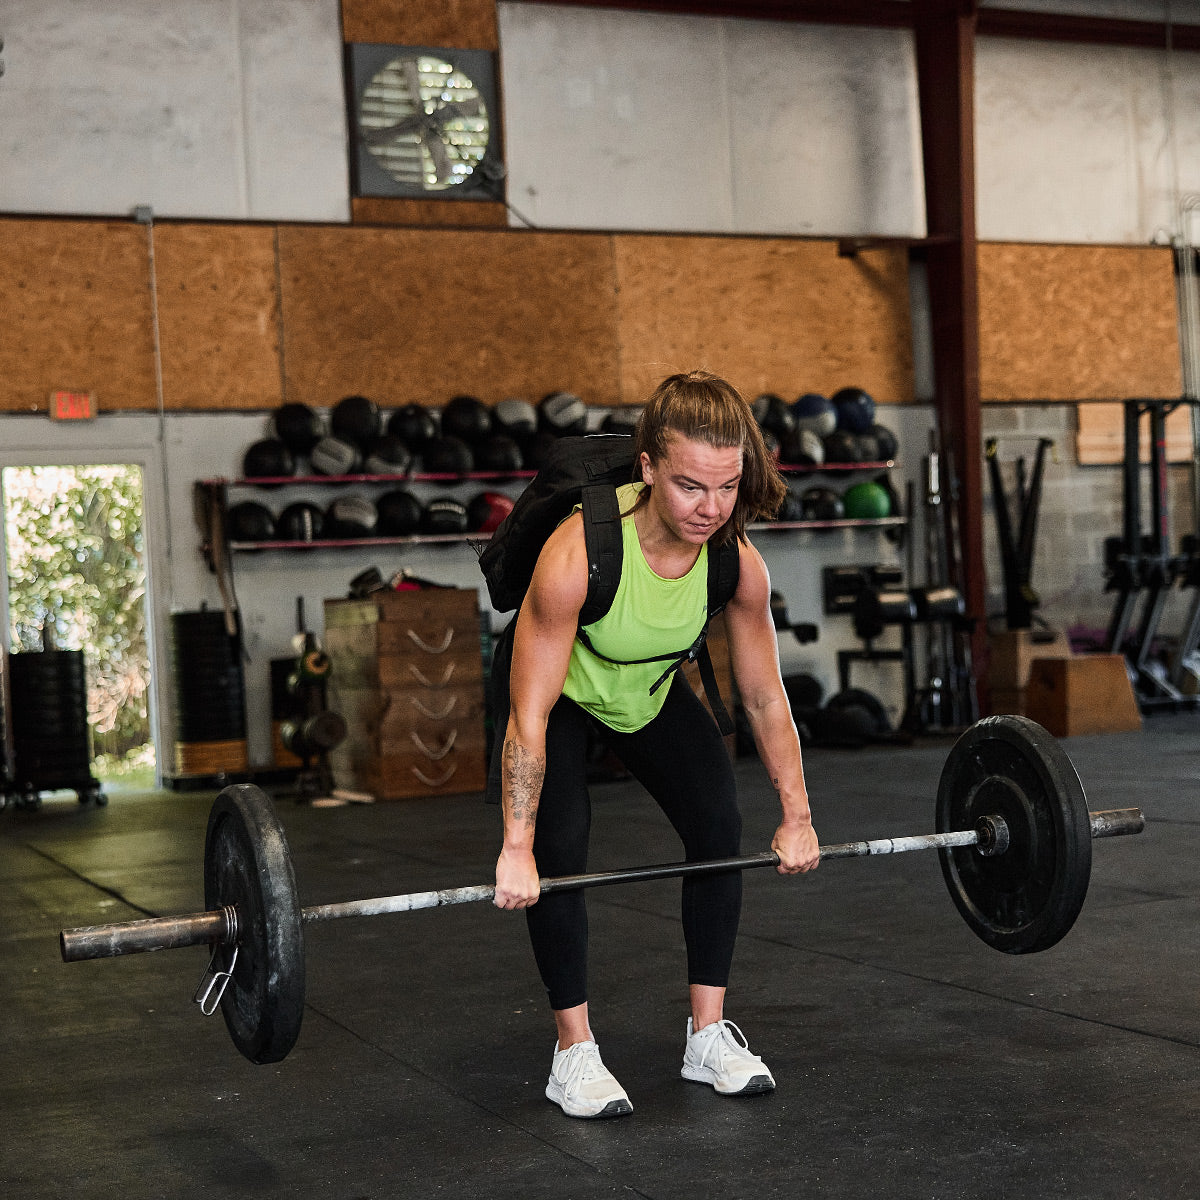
x,y
468,419
803,690
387,455
299,427
791,509
444,514
414,425
249,521
515,417
562,414
855,409
447,456
886,440
774,415
816,412
487,510
821,504
267,459
356,420
841,446
333,456
622,420
399,513
868,447
300,522
866,501
803,448
499,453
351,517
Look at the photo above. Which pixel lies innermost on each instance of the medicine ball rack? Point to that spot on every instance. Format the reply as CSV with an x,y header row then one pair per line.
x,y
218,489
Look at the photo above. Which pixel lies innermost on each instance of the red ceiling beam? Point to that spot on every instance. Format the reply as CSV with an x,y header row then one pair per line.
x,y
900,14
944,36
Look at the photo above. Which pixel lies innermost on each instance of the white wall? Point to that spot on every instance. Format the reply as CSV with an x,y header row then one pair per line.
x,y
224,109
644,121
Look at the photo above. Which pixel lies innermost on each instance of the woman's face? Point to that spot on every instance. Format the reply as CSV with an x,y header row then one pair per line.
x,y
694,486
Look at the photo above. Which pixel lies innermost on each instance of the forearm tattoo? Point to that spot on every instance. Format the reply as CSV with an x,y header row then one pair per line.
x,y
523,775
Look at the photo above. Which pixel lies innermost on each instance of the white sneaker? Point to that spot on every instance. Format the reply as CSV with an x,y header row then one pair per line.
x,y
582,1086
720,1055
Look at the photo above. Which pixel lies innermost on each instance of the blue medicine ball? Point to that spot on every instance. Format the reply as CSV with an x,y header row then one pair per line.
x,y
855,410
816,412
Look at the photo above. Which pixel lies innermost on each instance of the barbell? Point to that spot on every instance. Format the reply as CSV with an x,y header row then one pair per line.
x,y
1014,835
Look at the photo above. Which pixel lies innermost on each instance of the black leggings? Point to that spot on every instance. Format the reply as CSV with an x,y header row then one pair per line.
x,y
680,758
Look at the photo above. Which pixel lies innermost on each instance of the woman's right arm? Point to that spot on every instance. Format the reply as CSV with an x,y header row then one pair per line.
x,y
542,643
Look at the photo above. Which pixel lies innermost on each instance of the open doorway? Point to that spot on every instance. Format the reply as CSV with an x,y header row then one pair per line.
x,y
76,580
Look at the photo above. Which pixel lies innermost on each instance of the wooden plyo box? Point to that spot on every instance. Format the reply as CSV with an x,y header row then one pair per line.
x,y
407,678
1089,693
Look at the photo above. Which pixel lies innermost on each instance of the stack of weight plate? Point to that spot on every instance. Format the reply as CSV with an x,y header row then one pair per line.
x,y
209,694
52,743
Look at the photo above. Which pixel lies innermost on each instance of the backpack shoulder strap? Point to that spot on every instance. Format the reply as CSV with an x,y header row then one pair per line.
x,y
605,550
724,568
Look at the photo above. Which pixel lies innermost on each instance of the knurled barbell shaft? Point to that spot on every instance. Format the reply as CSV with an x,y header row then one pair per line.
x,y
196,929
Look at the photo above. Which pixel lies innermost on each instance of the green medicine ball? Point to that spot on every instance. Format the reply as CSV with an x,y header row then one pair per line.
x,y
867,502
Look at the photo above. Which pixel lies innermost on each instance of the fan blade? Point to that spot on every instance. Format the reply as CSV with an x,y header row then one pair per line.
x,y
452,110
385,133
437,151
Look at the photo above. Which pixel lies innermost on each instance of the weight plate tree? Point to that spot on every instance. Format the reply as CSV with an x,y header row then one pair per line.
x,y
1017,867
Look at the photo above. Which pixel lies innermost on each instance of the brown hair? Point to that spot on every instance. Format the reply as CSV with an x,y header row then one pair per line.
x,y
709,409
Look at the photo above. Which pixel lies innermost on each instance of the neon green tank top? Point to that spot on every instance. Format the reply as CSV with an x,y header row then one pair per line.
x,y
649,615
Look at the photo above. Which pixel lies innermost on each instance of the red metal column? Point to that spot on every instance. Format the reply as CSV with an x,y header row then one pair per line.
x,y
944,32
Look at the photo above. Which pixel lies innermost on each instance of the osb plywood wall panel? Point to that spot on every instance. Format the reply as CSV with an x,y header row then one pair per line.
x,y
419,315
465,24
394,210
1100,436
218,316
1077,322
775,315
75,313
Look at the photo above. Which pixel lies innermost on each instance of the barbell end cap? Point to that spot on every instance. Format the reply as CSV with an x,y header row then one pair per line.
x,y
993,835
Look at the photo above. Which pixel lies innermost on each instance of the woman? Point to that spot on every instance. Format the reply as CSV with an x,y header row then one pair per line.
x,y
703,473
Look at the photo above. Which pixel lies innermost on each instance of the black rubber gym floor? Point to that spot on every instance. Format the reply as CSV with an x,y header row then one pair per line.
x,y
911,1059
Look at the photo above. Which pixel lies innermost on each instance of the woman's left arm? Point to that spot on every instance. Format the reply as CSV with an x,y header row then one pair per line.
x,y
755,653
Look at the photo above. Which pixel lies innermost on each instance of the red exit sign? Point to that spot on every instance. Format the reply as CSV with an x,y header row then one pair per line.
x,y
72,406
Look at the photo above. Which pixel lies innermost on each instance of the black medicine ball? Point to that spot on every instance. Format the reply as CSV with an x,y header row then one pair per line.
x,y
356,419
803,448
334,456
387,455
249,521
821,504
444,514
563,414
267,459
351,517
774,414
300,522
621,420
414,425
487,510
841,447
889,444
515,417
855,409
468,419
299,427
499,453
399,513
791,509
447,456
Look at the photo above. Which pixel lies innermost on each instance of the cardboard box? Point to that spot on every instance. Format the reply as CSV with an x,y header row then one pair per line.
x,y
1008,701
1089,693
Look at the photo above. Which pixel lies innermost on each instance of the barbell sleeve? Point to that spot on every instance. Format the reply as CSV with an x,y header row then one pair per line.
x,y
220,925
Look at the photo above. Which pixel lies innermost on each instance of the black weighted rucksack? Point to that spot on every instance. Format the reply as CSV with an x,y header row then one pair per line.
x,y
586,471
